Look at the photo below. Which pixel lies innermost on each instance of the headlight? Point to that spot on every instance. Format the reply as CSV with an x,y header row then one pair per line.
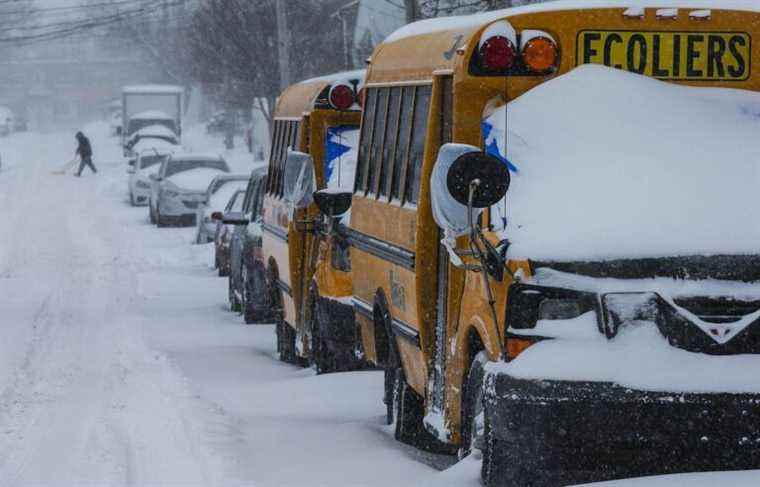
x,y
170,193
527,304
142,184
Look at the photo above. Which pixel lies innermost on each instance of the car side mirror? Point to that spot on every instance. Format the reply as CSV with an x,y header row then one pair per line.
x,y
155,177
217,215
131,170
332,203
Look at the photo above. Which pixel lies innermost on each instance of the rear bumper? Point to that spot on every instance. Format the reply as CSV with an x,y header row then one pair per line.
x,y
561,433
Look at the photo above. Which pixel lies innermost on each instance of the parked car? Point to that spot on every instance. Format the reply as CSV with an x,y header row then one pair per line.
x,y
217,196
179,187
146,163
152,144
223,233
146,119
247,281
151,133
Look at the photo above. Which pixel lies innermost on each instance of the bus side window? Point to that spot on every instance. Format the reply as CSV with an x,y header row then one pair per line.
x,y
417,148
366,140
391,138
273,150
378,139
402,150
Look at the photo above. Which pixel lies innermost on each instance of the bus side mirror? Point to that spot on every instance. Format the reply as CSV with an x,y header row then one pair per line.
x,y
464,181
332,203
480,173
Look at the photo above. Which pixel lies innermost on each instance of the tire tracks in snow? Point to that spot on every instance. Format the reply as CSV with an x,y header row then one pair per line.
x,y
90,402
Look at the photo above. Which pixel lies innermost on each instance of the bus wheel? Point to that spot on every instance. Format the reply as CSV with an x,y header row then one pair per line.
x,y
473,414
409,412
254,296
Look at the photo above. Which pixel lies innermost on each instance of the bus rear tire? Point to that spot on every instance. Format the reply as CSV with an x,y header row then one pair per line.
x,y
409,413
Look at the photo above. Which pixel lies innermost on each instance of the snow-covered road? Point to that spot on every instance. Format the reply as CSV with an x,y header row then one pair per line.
x,y
120,364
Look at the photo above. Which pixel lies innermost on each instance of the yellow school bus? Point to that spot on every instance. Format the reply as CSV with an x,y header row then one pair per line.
x,y
433,324
308,117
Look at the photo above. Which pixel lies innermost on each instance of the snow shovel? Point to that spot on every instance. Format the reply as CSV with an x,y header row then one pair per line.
x,y
65,167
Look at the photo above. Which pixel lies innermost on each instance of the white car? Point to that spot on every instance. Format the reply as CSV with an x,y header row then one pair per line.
x,y
218,194
147,162
179,187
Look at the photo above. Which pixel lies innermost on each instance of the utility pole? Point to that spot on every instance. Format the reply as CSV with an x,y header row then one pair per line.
x,y
348,62
283,44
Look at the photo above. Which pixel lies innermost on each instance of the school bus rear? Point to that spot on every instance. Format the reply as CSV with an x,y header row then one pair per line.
x,y
303,118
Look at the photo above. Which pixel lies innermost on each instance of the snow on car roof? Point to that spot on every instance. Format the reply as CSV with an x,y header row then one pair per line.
x,y
150,143
158,130
462,22
147,89
152,114
197,156
650,169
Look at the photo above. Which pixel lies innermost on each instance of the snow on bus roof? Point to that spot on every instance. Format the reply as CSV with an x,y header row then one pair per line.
x,y
331,78
462,22
151,89
650,169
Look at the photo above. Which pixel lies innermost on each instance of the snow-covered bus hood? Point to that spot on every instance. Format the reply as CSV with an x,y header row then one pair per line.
x,y
616,165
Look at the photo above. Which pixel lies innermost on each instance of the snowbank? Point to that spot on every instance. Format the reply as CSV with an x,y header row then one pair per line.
x,y
616,165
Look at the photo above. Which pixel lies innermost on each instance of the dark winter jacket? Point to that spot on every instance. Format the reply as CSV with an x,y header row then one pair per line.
x,y
84,150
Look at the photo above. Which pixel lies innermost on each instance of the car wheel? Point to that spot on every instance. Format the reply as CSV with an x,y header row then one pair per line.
x,y
286,340
234,303
473,427
151,213
132,199
254,291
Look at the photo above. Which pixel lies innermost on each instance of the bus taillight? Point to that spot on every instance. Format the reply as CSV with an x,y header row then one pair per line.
x,y
539,52
342,97
497,52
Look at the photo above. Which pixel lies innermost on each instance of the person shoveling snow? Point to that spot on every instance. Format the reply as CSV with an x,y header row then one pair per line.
x,y
83,153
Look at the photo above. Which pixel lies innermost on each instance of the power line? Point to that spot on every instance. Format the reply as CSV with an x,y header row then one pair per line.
x,y
66,29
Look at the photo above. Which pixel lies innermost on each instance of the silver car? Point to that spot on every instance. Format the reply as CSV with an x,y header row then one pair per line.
x,y
179,187
218,195
140,168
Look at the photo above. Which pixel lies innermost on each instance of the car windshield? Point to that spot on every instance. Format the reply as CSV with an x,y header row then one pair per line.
x,y
178,166
237,205
151,160
220,195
